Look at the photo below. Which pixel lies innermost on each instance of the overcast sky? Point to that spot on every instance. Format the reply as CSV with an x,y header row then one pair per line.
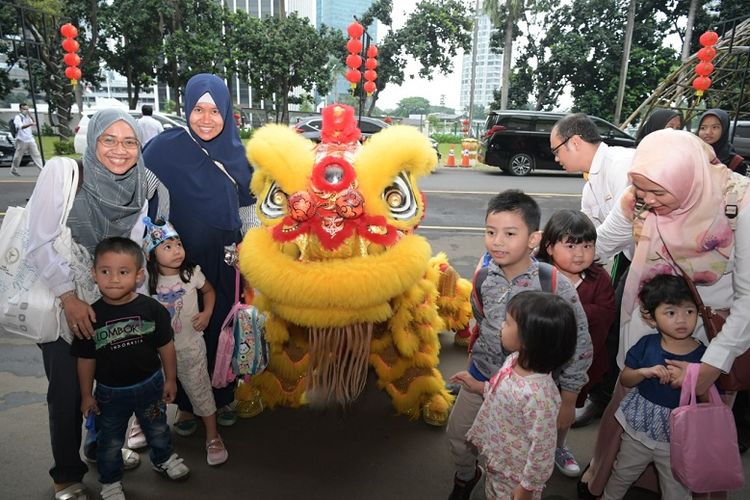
x,y
449,85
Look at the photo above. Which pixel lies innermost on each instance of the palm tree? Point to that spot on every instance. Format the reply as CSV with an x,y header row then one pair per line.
x,y
511,13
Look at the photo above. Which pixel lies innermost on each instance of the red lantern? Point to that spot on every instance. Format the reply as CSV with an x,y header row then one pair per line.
x,y
704,68
353,61
709,38
372,51
371,75
68,30
72,59
70,45
371,63
354,46
355,30
701,84
73,73
354,76
707,54
370,87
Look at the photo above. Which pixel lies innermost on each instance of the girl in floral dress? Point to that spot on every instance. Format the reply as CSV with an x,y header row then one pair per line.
x,y
515,429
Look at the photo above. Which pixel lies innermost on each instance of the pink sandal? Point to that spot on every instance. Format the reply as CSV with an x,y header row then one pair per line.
x,y
216,453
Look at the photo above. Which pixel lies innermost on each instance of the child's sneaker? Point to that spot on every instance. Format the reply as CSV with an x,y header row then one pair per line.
x,y
173,468
136,438
113,491
462,489
566,462
216,452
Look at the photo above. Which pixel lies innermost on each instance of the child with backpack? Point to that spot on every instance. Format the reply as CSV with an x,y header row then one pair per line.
x,y
175,283
511,234
569,243
521,401
668,306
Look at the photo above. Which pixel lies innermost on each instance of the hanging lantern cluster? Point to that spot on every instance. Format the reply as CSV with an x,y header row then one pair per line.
x,y
370,74
704,68
71,59
354,60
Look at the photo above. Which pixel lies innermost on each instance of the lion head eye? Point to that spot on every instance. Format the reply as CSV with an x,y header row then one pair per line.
x,y
275,202
400,198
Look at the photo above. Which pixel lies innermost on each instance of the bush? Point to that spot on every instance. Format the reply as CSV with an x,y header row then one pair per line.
x,y
64,147
47,130
448,138
246,133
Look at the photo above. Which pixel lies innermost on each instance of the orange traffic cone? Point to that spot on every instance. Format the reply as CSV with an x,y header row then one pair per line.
x,y
465,158
451,161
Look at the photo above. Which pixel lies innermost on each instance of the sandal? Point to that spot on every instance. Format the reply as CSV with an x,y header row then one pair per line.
x,y
226,416
136,438
216,453
186,427
76,491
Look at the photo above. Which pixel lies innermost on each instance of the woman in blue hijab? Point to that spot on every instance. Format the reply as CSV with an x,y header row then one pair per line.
x,y
208,178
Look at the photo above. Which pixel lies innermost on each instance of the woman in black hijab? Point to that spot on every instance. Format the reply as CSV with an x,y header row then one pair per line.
x,y
657,120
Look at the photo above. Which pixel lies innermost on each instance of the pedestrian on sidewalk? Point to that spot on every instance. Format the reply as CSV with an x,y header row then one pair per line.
x,y
25,142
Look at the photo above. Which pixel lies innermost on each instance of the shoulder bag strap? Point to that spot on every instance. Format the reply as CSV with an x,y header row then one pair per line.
x,y
70,187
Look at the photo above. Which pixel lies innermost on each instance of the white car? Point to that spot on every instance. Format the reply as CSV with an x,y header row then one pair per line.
x,y
79,142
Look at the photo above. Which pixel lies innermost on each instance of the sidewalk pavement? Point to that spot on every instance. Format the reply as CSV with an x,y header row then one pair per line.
x,y
364,452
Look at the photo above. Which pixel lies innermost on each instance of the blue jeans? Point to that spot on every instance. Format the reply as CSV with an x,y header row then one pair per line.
x,y
116,404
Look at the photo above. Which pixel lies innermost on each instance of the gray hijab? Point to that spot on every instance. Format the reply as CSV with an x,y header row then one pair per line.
x,y
107,204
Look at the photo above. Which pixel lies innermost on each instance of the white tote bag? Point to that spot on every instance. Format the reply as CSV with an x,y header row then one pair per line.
x,y
27,306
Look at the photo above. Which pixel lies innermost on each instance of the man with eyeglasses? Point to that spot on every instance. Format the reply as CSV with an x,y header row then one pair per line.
x,y
25,142
577,146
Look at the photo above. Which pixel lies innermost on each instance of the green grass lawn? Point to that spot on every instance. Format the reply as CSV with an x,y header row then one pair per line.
x,y
48,146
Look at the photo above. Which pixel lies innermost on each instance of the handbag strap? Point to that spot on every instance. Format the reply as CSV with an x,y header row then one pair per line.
x,y
70,187
703,310
687,394
236,286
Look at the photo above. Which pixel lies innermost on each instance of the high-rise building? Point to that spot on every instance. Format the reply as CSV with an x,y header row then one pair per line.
x,y
340,14
489,67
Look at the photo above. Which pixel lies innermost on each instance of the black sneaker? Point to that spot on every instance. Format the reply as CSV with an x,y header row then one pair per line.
x,y
462,489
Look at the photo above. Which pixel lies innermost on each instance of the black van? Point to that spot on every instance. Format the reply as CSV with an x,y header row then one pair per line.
x,y
518,141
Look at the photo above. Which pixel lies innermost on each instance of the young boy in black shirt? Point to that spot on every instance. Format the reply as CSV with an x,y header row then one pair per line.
x,y
132,343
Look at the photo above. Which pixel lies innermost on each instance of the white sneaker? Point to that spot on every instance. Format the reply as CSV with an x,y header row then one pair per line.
x,y
173,468
566,462
136,438
113,491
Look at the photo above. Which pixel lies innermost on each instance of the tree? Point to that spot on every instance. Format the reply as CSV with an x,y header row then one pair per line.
x,y
133,42
277,55
193,42
412,106
507,16
433,34
41,41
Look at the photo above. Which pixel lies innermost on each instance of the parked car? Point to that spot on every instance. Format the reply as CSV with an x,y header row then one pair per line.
x,y
518,141
310,128
79,141
742,140
8,147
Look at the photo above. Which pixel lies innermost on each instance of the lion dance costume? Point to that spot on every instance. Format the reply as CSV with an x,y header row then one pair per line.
x,y
340,274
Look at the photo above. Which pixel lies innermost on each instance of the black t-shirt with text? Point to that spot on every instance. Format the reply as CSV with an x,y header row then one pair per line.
x,y
126,340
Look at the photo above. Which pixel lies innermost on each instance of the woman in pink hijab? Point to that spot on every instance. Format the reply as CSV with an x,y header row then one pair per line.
x,y
695,218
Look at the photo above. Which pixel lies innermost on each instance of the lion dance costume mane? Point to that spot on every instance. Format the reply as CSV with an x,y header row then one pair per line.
x,y
344,281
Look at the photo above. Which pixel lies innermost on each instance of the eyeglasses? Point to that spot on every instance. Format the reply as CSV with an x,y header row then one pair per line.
x,y
110,141
554,150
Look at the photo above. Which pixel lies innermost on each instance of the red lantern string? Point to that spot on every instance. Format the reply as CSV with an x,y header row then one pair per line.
x,y
370,87
372,51
704,68
71,59
371,63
